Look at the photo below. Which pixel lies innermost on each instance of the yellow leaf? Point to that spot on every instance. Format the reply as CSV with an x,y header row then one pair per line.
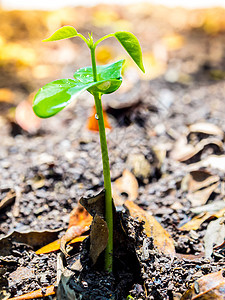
x,y
162,239
48,291
211,286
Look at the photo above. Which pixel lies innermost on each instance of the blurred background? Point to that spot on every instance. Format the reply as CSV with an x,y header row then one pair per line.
x,y
180,44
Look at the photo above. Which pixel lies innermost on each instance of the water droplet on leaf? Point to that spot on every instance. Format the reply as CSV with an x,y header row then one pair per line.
x,y
96,117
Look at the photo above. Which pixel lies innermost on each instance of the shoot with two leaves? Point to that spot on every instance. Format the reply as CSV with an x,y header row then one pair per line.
x,y
97,80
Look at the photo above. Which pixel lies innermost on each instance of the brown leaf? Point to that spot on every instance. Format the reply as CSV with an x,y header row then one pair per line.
x,y
153,228
95,205
98,238
211,286
92,123
201,197
31,238
26,118
48,291
184,151
8,199
128,184
139,165
80,220
78,216
196,222
200,179
215,235
207,128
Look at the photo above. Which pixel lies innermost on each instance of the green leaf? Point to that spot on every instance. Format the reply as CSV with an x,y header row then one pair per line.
x,y
106,72
65,32
132,46
109,77
56,95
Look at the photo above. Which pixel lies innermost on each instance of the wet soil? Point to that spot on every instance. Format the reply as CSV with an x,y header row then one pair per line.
x,y
50,170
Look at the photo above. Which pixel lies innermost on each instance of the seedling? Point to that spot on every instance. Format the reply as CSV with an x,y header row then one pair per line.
x,y
97,80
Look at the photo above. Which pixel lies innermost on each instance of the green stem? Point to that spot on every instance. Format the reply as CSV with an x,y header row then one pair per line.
x,y
106,170
103,38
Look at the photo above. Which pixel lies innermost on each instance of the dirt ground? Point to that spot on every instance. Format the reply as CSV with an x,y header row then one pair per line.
x,y
155,135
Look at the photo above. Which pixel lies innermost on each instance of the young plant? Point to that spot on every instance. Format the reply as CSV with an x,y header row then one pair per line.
x,y
97,80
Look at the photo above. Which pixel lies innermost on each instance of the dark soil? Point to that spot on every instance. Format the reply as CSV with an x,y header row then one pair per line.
x,y
49,170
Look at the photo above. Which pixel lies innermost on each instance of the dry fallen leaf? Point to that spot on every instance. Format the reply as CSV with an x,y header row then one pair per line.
x,y
162,239
207,128
211,286
98,238
214,236
200,179
47,291
128,184
31,238
64,277
80,220
212,207
195,223
201,197
92,123
8,199
183,151
55,246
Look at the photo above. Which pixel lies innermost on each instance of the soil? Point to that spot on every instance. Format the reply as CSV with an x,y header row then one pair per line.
x,y
49,170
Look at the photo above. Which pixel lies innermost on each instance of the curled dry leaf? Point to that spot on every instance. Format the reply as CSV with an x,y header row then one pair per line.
x,y
80,220
162,239
215,235
184,151
200,197
199,179
98,237
139,165
64,275
197,221
207,128
47,291
213,207
8,199
211,286
128,184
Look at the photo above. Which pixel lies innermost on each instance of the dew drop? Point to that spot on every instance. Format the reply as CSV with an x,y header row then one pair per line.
x,y
96,117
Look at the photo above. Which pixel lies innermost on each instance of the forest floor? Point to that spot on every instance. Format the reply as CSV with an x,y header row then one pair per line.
x,y
167,136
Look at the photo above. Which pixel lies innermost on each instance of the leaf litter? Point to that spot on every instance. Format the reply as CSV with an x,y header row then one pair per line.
x,y
170,161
